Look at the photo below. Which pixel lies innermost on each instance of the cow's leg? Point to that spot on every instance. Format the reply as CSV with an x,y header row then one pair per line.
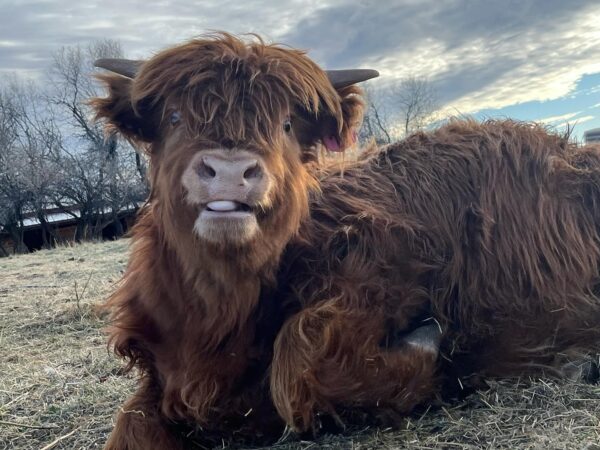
x,y
140,426
329,358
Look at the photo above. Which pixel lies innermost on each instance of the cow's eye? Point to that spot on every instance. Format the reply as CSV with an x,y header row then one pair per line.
x,y
175,118
287,125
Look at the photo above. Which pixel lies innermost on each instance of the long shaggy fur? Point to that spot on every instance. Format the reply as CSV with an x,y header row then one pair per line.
x,y
491,230
488,229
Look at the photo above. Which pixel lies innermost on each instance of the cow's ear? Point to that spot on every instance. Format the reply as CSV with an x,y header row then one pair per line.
x,y
334,125
340,134
133,120
352,107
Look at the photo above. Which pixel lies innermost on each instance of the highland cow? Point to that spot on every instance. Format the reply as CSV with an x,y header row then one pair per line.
x,y
269,287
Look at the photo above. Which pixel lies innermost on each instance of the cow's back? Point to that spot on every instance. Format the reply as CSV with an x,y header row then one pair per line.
x,y
497,224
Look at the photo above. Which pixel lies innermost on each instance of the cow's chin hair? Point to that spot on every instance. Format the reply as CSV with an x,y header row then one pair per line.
x,y
227,232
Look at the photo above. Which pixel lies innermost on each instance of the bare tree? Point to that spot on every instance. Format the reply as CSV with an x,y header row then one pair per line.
x,y
93,191
416,102
398,110
92,198
27,174
377,117
73,83
13,196
53,155
70,77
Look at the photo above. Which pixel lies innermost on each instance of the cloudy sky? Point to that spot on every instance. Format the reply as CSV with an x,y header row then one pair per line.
x,y
529,59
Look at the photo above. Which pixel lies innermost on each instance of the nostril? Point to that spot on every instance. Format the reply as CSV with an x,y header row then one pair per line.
x,y
253,172
205,171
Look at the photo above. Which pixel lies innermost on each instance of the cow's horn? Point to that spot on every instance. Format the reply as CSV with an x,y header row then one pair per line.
x,y
126,67
343,78
426,338
339,78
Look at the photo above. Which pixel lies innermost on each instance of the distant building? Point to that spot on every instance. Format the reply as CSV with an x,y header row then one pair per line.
x,y
592,136
63,228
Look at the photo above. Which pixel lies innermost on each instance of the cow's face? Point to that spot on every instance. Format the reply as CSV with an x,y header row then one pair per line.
x,y
230,191
230,128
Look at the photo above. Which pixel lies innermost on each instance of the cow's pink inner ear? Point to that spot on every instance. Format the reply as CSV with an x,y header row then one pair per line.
x,y
332,144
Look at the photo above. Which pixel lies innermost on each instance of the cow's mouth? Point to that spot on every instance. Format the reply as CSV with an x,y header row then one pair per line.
x,y
225,207
226,221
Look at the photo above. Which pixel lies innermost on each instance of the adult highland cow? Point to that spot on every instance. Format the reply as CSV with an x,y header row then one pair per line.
x,y
266,288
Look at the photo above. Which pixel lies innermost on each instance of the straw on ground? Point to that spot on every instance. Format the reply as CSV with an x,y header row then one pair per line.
x,y
59,386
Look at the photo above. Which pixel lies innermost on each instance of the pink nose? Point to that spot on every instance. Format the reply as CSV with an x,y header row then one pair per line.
x,y
229,176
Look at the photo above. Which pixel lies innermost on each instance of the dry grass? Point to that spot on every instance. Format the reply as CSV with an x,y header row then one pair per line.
x,y
59,387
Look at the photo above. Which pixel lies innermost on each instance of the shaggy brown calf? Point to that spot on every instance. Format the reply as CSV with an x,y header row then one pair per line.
x,y
265,289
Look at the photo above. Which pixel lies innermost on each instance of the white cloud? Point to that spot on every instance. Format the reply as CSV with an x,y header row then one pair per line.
x,y
547,64
554,119
8,43
42,27
477,54
575,122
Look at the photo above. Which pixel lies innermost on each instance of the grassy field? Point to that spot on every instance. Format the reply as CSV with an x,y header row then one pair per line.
x,y
59,387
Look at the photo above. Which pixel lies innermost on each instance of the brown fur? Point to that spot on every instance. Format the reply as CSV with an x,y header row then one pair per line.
x,y
491,229
189,313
